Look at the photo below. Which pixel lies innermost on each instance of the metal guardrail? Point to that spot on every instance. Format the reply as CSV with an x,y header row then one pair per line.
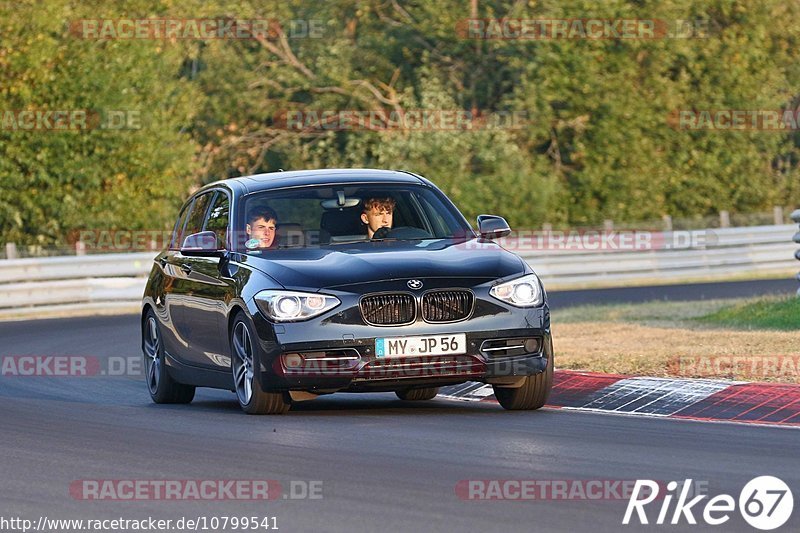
x,y
76,267
32,286
796,217
119,279
727,252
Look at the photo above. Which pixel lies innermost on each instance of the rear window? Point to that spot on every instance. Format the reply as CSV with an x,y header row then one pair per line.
x,y
217,220
190,220
177,231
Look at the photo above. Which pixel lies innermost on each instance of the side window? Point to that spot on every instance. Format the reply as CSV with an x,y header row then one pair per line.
x,y
194,223
177,231
217,220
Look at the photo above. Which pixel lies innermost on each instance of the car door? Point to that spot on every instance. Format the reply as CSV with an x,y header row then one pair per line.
x,y
174,288
203,289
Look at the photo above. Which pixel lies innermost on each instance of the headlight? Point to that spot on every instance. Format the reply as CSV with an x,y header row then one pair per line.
x,y
521,292
287,306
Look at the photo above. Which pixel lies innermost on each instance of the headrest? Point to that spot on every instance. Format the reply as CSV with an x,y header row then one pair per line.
x,y
345,221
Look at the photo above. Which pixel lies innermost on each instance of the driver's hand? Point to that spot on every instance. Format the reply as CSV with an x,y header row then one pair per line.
x,y
381,233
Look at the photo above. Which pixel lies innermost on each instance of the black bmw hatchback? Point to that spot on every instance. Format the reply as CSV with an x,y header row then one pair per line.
x,y
281,287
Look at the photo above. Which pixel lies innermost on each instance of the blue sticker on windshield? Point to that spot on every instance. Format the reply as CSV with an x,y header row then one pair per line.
x,y
252,244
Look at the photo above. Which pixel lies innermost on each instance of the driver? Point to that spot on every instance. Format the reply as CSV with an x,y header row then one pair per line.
x,y
261,227
377,216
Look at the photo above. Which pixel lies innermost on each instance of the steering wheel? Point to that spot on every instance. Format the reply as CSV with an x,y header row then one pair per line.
x,y
406,233
381,233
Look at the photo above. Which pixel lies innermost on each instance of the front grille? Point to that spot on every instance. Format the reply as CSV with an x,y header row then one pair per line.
x,y
447,306
388,309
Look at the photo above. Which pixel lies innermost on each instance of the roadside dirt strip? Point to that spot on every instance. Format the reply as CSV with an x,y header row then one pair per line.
x,y
695,399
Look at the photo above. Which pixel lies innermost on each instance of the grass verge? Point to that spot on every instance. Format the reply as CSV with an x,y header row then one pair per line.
x,y
779,313
720,339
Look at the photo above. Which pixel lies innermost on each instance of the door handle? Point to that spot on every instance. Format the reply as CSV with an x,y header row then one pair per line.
x,y
187,269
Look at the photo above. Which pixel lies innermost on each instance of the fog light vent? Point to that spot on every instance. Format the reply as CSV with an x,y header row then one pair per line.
x,y
511,347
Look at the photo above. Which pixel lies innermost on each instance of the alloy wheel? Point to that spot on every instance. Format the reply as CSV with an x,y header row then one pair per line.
x,y
243,363
152,348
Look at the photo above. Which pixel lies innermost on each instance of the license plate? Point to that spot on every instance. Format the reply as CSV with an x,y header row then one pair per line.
x,y
421,345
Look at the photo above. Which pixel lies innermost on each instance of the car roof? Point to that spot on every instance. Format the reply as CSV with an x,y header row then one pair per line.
x,y
302,178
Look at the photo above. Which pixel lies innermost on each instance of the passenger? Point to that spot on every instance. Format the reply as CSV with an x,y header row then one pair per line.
x,y
377,216
261,229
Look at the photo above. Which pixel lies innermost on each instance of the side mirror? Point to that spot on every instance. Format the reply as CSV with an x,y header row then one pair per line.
x,y
492,227
203,244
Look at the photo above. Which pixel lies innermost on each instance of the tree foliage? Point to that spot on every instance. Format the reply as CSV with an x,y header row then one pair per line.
x,y
598,142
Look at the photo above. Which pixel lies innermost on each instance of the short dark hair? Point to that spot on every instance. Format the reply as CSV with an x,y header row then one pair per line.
x,y
388,203
262,212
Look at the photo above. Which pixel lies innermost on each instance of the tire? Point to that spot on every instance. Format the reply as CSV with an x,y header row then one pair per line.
x,y
416,395
245,357
162,388
531,395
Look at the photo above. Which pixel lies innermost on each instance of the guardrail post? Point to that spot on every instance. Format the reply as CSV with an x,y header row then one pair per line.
x,y
11,250
80,248
667,220
777,215
724,219
796,217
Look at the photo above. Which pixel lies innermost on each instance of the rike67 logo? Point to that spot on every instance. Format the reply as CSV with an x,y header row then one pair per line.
x,y
765,503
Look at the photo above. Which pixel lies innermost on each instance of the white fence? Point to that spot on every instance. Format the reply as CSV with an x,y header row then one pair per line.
x,y
28,285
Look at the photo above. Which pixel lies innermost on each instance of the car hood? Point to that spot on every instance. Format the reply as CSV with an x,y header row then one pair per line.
x,y
367,262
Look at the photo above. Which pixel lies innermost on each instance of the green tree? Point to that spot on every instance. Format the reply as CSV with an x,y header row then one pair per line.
x,y
57,181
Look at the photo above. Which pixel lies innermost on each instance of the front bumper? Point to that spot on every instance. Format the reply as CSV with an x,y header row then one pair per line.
x,y
337,352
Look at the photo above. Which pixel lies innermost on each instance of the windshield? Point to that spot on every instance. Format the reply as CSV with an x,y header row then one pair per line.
x,y
341,214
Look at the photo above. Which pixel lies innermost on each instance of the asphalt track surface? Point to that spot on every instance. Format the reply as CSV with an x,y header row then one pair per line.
x,y
385,464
